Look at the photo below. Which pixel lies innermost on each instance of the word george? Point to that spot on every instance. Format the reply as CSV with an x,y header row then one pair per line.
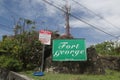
x,y
68,52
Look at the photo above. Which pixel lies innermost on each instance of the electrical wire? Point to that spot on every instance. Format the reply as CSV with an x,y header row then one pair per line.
x,y
96,14
5,26
10,10
92,23
79,18
102,18
100,21
4,18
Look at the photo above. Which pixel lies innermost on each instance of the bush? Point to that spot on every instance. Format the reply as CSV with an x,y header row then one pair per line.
x,y
10,63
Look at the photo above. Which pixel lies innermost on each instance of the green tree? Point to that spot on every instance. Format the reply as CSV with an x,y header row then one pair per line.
x,y
24,46
27,48
107,48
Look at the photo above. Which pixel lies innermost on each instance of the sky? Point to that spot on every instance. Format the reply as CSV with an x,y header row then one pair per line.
x,y
100,18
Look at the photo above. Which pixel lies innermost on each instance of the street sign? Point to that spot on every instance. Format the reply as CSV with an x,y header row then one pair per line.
x,y
45,37
69,50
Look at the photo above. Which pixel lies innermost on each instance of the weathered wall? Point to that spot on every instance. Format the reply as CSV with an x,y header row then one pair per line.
x,y
16,76
93,65
3,74
10,75
111,62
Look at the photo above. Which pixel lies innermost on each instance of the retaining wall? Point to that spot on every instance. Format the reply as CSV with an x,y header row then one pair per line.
x,y
10,75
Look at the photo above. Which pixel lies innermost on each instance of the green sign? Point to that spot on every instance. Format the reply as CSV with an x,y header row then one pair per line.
x,y
69,50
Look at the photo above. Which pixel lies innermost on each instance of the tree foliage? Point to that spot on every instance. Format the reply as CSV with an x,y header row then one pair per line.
x,y
108,48
10,63
23,47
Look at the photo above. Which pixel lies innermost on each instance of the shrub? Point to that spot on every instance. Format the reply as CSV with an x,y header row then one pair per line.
x,y
10,63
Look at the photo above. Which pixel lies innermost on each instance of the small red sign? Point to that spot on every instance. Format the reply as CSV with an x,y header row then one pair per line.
x,y
45,37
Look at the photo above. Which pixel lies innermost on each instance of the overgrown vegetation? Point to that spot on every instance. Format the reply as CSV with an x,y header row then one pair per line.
x,y
23,50
10,63
108,48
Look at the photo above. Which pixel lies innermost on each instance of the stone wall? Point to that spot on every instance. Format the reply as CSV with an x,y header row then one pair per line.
x,y
93,65
111,62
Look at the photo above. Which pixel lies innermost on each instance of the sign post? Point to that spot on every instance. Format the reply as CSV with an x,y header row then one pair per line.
x,y
69,50
45,39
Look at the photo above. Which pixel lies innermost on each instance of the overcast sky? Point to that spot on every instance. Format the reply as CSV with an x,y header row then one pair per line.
x,y
103,15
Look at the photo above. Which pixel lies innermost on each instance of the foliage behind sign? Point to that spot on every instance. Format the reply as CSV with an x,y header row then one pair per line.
x,y
69,50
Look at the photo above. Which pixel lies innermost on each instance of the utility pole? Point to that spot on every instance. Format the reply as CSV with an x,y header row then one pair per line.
x,y
15,25
67,11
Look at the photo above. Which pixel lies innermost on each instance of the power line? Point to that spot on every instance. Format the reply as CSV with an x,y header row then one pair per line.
x,y
96,14
84,19
10,10
114,26
5,26
98,22
79,19
87,20
4,18
92,25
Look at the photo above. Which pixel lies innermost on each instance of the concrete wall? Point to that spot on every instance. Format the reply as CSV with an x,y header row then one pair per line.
x,y
16,76
10,75
3,74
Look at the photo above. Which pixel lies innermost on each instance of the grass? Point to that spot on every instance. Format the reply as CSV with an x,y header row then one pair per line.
x,y
110,75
